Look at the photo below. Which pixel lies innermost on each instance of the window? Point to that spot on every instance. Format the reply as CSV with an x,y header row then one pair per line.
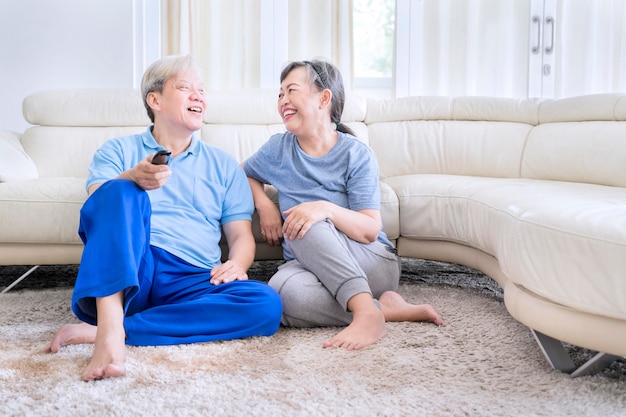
x,y
373,46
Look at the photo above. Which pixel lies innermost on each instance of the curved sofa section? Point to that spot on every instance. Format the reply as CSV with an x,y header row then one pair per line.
x,y
530,192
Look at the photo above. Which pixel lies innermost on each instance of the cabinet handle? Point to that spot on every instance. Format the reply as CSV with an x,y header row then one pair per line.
x,y
535,49
550,21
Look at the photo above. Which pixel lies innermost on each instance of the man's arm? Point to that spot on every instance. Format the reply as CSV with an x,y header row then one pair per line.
x,y
145,174
241,250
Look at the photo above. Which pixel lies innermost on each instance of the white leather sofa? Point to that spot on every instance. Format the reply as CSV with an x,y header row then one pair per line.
x,y
531,192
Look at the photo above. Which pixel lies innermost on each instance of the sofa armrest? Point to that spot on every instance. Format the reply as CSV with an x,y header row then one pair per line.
x,y
15,164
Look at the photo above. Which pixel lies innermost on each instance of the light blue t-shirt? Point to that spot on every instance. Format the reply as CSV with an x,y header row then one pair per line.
x,y
207,188
347,176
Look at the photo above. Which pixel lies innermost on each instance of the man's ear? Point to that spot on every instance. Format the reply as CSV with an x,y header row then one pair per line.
x,y
153,100
326,99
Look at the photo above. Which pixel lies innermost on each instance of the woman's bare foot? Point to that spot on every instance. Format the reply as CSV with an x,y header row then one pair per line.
x,y
72,334
367,327
395,308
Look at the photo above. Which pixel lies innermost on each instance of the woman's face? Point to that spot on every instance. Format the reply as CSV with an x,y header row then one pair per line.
x,y
300,104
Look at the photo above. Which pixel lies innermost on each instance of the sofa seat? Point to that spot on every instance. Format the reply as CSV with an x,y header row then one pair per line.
x,y
42,210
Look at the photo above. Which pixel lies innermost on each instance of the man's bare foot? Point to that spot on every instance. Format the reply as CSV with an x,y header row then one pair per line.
x,y
109,353
395,308
72,334
109,356
109,339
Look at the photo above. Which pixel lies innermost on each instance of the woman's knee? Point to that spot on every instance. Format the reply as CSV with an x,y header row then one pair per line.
x,y
295,289
321,235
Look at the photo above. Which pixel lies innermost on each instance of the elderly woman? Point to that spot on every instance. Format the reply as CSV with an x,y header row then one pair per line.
x,y
340,269
151,272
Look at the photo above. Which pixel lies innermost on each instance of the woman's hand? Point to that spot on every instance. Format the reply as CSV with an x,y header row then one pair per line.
x,y
300,218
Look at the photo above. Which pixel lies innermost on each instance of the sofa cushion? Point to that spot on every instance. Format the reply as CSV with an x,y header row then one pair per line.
x,y
591,152
240,141
453,108
61,151
606,107
490,149
15,164
389,211
45,210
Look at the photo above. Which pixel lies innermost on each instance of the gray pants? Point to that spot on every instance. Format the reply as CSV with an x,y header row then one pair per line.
x,y
329,268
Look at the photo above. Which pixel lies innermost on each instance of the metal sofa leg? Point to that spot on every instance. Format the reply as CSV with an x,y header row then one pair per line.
x,y
17,281
560,360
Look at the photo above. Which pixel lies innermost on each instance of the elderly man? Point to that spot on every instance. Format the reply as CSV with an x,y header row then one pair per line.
x,y
151,272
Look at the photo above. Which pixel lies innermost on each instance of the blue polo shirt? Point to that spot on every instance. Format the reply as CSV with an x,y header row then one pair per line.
x,y
207,188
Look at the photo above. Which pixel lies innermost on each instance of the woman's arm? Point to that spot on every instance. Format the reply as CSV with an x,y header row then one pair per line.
x,y
269,215
362,226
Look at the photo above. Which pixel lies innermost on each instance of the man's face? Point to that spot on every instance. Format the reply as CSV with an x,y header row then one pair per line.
x,y
182,102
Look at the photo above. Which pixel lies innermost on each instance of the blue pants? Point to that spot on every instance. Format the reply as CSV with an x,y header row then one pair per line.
x,y
167,300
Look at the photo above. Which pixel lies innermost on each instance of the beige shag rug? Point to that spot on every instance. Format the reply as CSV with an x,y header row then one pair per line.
x,y
480,363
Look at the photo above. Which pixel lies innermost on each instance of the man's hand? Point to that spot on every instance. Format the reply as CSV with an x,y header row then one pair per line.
x,y
148,175
227,272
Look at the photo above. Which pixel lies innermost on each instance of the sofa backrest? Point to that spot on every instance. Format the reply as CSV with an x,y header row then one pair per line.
x,y
444,135
580,139
70,125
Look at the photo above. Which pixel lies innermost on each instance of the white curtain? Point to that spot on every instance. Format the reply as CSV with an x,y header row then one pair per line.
x,y
224,36
590,55
468,47
322,29
456,47
485,47
221,35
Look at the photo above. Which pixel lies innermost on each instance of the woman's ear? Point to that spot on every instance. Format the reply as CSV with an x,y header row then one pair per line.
x,y
327,97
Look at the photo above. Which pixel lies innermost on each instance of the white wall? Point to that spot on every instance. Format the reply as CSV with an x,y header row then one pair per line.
x,y
56,44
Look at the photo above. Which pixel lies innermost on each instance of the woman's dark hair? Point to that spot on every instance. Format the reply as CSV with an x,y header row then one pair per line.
x,y
324,75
